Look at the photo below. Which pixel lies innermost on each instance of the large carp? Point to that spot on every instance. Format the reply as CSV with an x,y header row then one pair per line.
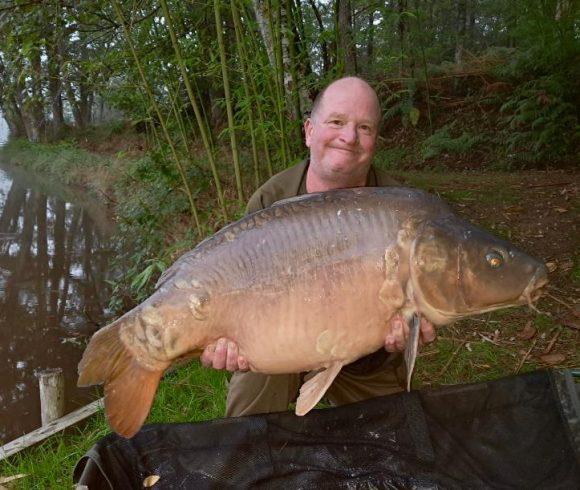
x,y
308,283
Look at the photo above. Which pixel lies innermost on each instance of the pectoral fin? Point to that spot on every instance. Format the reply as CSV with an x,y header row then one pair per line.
x,y
412,347
313,390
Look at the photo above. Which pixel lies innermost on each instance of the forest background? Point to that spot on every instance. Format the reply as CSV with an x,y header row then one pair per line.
x,y
200,102
174,112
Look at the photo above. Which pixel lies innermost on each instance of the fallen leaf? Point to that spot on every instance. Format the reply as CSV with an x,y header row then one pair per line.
x,y
516,208
6,479
151,480
554,358
552,266
560,210
567,264
569,321
527,333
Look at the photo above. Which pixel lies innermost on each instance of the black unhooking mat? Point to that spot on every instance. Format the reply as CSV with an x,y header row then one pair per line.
x,y
516,432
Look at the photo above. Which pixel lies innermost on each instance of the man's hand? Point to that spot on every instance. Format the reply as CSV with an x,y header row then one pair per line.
x,y
224,354
396,339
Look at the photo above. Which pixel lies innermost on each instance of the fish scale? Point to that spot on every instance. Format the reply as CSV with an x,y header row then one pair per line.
x,y
310,283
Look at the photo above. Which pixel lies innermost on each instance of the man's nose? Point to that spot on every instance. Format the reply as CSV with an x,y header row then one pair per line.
x,y
349,134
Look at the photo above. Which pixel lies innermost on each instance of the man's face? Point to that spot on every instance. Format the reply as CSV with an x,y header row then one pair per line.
x,y
342,134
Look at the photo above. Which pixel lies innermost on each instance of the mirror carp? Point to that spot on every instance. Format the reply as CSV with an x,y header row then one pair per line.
x,y
308,284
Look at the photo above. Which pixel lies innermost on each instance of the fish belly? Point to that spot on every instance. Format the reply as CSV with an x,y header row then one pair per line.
x,y
315,318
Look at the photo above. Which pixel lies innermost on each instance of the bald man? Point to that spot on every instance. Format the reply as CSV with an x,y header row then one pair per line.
x,y
341,134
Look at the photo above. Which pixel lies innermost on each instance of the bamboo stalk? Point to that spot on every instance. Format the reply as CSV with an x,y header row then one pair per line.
x,y
162,122
181,125
227,95
264,69
241,54
198,117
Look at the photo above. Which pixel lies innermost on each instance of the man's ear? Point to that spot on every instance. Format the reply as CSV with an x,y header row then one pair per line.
x,y
308,128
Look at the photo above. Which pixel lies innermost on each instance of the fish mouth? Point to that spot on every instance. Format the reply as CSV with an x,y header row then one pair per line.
x,y
535,288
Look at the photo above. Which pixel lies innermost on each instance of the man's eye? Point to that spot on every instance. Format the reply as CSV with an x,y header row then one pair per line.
x,y
336,122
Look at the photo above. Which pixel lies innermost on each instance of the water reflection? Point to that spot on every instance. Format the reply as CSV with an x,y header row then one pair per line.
x,y
54,262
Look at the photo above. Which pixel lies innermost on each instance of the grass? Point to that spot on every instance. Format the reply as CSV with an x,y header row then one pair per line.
x,y
64,160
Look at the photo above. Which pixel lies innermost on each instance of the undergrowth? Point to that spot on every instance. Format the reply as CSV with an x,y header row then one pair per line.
x,y
442,141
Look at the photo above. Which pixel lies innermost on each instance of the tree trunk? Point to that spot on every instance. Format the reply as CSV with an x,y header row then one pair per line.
x,y
54,50
460,39
13,117
9,105
291,80
74,105
402,27
370,39
346,53
261,8
85,104
323,43
34,111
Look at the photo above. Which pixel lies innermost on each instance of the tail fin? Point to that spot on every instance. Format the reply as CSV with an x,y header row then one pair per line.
x,y
129,386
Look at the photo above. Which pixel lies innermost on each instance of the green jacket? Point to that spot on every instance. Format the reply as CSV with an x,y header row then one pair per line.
x,y
292,182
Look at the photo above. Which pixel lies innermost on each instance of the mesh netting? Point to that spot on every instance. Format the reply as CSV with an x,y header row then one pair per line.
x,y
517,432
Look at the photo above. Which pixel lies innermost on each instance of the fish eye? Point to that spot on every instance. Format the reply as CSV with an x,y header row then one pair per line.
x,y
494,259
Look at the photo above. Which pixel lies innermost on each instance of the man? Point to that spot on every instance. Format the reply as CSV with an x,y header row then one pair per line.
x,y
341,134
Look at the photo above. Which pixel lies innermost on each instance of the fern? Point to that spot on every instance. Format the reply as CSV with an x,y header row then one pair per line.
x,y
442,142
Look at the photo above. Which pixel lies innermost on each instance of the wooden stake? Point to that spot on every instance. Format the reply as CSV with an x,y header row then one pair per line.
x,y
51,384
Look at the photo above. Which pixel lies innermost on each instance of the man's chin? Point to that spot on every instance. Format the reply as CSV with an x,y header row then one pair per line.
x,y
340,169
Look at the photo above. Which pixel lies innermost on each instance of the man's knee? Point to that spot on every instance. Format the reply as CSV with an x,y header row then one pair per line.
x,y
253,393
353,387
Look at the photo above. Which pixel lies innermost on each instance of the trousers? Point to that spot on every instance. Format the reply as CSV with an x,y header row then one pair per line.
x,y
254,393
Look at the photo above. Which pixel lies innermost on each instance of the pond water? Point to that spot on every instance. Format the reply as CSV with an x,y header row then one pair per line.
x,y
56,250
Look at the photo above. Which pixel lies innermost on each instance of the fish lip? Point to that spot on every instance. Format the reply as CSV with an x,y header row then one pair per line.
x,y
535,286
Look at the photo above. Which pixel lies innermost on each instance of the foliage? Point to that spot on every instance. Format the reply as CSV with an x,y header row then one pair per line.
x,y
539,124
443,142
402,103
